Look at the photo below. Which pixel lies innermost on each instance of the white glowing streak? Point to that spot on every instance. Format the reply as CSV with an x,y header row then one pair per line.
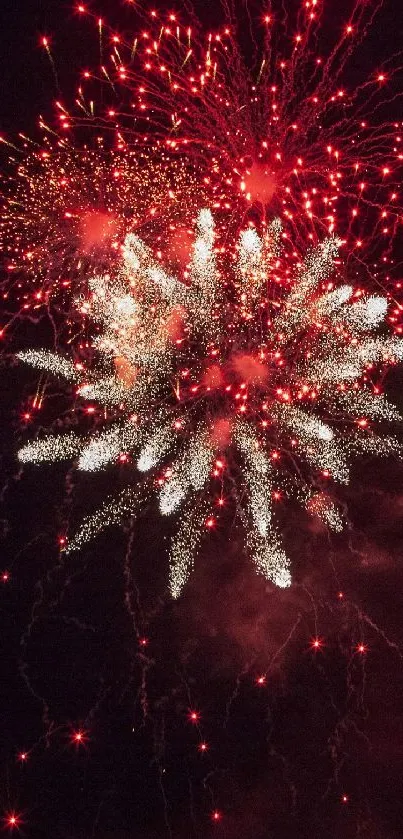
x,y
51,362
329,304
258,474
190,471
323,507
372,444
168,286
112,512
314,439
250,251
364,404
270,559
107,446
317,266
140,259
107,391
350,362
366,314
204,277
155,448
184,547
330,458
50,449
303,424
267,553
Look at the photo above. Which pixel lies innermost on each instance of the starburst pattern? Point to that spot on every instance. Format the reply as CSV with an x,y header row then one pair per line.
x,y
225,380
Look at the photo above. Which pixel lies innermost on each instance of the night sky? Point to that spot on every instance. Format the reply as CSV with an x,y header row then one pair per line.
x,y
94,645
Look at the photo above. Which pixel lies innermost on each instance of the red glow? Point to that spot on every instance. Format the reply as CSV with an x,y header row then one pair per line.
x,y
125,371
194,717
250,369
13,821
79,737
221,432
259,183
213,377
216,816
97,229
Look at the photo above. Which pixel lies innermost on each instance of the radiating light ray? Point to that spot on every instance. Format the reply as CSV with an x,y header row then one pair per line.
x,y
189,472
362,404
348,363
366,314
322,506
51,362
317,266
185,544
108,445
50,449
115,510
157,444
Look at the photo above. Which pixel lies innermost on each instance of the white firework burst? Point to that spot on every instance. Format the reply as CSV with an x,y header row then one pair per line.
x,y
198,386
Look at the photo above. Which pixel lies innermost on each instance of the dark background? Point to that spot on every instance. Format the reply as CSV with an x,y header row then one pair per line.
x,y
281,756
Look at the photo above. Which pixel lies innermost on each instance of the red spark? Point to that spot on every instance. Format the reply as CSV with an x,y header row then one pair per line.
x,y
261,680
5,576
79,737
216,815
194,717
361,648
316,643
203,747
12,821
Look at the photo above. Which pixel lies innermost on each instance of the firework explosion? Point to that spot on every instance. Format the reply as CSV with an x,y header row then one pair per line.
x,y
69,210
222,383
210,227
175,118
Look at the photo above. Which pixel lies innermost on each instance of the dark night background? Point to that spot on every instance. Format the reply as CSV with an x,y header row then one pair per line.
x,y
281,756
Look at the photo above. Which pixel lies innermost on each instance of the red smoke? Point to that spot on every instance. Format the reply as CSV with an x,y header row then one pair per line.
x,y
221,433
97,229
250,369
